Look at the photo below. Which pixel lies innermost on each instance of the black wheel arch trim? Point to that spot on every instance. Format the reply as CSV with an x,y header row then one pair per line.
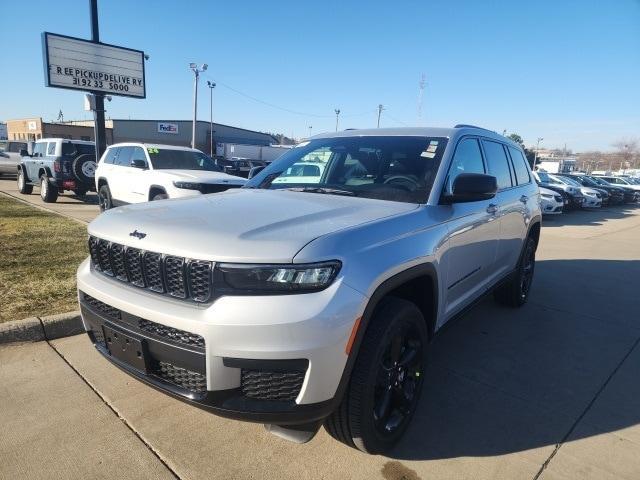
x,y
155,189
389,285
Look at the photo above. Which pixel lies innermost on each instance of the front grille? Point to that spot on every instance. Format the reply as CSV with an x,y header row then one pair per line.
x,y
192,381
175,276
269,385
173,334
102,307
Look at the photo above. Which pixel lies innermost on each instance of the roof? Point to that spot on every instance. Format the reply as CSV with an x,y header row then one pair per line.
x,y
53,139
153,145
458,130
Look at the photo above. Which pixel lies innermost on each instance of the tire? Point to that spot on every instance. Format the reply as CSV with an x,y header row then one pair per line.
x,y
159,196
515,292
382,394
48,192
84,168
80,192
23,186
104,198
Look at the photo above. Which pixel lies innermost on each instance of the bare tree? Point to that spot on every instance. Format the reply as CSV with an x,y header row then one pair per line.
x,y
627,151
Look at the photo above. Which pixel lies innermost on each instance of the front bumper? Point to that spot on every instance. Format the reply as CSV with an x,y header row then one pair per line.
x,y
240,336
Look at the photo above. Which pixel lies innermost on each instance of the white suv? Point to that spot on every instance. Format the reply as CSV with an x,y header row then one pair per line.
x,y
297,304
140,172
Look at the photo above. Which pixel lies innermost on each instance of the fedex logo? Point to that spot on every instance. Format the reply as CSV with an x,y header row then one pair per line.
x,y
167,128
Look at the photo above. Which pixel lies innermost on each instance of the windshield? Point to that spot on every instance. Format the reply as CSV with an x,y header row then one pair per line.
x,y
162,159
395,168
546,178
569,181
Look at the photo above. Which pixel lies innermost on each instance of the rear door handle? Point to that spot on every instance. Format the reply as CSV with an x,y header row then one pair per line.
x,y
492,208
524,199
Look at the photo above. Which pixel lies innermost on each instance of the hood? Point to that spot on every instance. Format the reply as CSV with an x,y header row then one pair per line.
x,y
239,225
547,191
201,176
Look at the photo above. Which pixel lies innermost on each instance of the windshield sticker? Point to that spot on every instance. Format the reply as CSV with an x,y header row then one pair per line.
x,y
433,142
153,150
432,148
428,154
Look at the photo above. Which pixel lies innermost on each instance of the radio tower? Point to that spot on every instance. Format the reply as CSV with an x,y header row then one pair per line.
x,y
421,85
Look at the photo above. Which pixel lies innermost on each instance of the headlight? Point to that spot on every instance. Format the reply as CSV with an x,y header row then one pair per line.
x,y
187,185
289,278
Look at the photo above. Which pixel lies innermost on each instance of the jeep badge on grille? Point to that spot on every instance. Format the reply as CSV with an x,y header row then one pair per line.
x,y
137,234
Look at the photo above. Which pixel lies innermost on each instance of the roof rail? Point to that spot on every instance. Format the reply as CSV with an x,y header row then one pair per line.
x,y
465,125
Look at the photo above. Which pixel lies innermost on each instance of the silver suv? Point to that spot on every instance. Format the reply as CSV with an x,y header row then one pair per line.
x,y
301,303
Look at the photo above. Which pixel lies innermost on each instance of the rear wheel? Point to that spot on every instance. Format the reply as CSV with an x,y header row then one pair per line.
x,y
104,198
515,292
386,380
159,196
23,187
80,192
48,191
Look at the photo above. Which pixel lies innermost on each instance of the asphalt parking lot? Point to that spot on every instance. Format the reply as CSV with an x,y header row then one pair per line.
x,y
549,391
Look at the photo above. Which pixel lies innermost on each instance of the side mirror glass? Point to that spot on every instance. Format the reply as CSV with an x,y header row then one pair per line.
x,y
138,163
256,170
472,187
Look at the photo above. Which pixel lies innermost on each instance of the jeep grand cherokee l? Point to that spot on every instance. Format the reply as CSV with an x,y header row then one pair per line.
x,y
301,304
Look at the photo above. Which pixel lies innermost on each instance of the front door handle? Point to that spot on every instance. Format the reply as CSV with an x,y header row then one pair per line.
x,y
492,209
524,199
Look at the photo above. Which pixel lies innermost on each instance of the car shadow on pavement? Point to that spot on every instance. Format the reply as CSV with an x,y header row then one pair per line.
x,y
502,380
593,216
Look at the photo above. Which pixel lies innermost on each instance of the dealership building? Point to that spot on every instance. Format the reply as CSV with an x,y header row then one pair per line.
x,y
170,132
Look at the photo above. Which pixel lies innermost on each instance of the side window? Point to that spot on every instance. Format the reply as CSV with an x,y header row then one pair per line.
x,y
51,149
124,157
467,159
39,149
138,154
520,165
111,155
497,163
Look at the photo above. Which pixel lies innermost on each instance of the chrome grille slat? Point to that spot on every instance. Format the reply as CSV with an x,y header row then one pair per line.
x,y
170,275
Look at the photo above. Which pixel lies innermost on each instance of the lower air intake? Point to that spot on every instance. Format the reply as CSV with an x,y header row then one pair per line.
x,y
268,385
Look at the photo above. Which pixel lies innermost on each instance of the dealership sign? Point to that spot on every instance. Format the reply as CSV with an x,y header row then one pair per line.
x,y
79,64
168,128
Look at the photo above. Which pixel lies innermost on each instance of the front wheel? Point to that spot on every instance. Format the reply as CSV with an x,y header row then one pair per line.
x,y
515,292
48,192
386,380
104,198
23,187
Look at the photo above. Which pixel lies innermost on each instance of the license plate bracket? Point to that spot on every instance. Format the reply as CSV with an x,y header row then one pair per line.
x,y
125,347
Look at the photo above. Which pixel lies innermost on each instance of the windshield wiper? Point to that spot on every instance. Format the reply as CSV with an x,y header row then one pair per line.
x,y
328,191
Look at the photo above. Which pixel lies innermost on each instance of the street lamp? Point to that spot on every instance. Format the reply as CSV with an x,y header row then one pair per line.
x,y
380,108
211,86
310,127
196,72
535,157
337,110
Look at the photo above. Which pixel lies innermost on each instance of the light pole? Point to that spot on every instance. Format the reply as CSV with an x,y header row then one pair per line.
x,y
535,157
337,110
380,108
211,86
196,72
310,127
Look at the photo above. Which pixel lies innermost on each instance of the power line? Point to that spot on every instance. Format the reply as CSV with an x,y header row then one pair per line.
x,y
284,109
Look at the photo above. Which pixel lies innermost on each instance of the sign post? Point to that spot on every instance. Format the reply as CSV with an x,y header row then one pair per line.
x,y
98,123
95,67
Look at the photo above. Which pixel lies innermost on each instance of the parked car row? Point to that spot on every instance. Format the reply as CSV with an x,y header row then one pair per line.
x,y
565,191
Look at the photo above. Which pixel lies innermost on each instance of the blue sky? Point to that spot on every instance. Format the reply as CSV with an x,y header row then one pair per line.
x,y
566,71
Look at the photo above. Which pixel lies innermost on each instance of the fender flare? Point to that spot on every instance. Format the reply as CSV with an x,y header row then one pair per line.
x,y
390,284
155,188
46,170
21,168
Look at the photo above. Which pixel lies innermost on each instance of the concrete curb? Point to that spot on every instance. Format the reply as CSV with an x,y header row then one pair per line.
x,y
36,329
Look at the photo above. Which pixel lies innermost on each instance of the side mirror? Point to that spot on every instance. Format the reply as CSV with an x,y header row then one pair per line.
x,y
472,187
138,163
24,153
256,170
